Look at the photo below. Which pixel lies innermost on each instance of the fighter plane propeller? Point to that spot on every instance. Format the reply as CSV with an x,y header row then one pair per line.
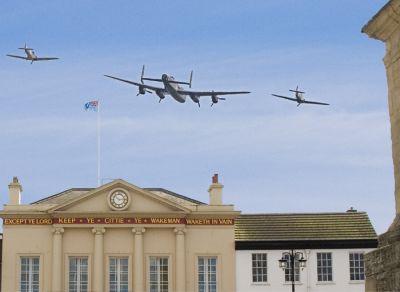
x,y
172,87
31,56
299,97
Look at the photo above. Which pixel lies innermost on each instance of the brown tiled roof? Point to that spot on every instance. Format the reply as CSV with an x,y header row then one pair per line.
x,y
304,226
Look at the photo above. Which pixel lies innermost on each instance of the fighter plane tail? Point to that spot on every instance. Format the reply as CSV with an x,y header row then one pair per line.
x,y
296,90
25,48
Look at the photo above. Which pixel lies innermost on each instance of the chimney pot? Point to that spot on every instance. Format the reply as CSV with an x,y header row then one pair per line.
x,y
215,178
351,210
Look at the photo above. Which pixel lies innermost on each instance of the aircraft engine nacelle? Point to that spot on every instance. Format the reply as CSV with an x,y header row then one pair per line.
x,y
214,98
160,94
195,98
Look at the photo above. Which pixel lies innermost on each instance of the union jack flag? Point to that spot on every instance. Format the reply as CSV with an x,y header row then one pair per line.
x,y
92,105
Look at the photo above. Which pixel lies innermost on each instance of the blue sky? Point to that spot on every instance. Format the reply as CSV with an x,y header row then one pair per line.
x,y
271,155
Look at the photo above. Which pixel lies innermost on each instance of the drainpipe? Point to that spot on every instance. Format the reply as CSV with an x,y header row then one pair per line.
x,y
307,252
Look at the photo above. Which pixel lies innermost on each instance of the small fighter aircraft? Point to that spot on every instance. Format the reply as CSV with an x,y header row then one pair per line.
x,y
31,56
171,87
299,97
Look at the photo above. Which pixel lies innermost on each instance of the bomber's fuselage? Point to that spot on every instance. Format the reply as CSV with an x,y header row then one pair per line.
x,y
172,88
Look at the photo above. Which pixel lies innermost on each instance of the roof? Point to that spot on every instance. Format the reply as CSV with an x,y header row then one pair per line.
x,y
349,225
173,194
63,196
73,193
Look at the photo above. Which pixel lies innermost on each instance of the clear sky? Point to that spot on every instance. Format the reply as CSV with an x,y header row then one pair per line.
x,y
271,155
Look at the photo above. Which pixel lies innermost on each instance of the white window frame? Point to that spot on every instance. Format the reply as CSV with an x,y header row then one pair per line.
x,y
288,271
206,275
119,257
68,257
30,271
357,252
166,256
253,269
322,267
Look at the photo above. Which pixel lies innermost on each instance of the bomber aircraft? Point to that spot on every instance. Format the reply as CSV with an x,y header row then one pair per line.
x,y
31,56
299,97
171,87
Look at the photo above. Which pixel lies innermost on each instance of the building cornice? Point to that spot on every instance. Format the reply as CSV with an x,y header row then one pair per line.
x,y
385,22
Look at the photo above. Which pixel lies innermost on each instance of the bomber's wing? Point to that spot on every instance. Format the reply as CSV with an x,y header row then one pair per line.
x,y
154,88
19,57
314,102
46,59
210,93
285,97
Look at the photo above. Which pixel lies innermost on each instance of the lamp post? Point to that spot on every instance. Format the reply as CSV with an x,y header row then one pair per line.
x,y
290,258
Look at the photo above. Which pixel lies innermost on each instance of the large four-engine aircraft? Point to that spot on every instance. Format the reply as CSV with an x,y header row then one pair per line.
x,y
299,97
171,87
31,56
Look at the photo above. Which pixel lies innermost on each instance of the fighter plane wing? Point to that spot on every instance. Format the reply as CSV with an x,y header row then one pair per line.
x,y
154,88
46,59
314,102
285,97
19,57
210,93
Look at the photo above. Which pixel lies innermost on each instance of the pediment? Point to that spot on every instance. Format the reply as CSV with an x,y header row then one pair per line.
x,y
140,201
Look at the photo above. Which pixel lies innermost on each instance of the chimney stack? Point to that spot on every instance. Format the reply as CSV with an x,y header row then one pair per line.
x,y
215,191
14,191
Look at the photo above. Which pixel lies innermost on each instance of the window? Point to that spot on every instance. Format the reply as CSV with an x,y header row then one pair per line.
x,y
29,281
78,274
356,266
288,270
259,267
324,266
158,274
119,274
207,277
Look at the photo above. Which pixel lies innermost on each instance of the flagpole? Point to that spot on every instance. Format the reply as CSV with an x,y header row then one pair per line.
x,y
98,144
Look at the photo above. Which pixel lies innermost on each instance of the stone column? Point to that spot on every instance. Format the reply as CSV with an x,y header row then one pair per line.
x,y
180,249
382,269
138,267
56,277
98,260
385,26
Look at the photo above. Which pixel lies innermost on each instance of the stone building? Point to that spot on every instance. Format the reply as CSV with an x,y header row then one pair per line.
x,y
333,245
383,265
121,238
118,237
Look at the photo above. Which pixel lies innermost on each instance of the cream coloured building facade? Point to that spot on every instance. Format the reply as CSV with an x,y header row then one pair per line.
x,y
118,237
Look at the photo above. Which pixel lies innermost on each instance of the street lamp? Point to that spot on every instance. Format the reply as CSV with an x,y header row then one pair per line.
x,y
288,262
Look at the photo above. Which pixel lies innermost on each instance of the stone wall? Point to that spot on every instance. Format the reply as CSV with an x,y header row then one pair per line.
x,y
383,264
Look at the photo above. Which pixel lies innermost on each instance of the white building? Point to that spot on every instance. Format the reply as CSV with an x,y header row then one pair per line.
x,y
332,243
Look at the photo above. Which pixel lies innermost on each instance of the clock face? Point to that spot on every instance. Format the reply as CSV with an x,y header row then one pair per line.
x,y
119,199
